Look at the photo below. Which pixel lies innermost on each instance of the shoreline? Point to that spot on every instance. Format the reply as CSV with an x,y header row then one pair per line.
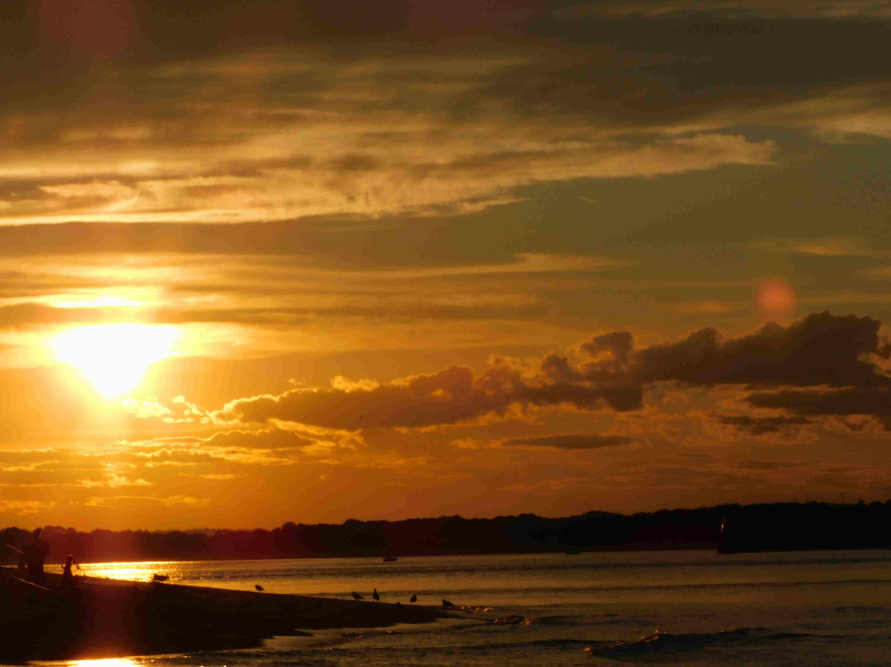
x,y
111,618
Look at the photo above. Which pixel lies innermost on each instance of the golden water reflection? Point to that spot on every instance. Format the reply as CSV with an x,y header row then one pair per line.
x,y
133,571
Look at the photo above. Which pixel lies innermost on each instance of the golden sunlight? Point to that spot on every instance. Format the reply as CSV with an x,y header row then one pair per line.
x,y
114,357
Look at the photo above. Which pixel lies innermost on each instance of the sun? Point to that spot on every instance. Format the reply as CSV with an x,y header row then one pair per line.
x,y
114,357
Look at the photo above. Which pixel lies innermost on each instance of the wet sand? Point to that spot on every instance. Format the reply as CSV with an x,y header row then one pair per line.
x,y
105,617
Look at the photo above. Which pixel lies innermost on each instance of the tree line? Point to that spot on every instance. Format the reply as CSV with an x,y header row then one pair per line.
x,y
762,527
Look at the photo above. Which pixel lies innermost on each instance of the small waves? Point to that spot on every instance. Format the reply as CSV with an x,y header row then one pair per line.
x,y
672,647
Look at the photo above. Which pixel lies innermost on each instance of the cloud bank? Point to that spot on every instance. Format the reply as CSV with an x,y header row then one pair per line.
x,y
823,350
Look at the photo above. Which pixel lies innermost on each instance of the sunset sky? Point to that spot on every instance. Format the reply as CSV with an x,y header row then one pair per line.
x,y
316,260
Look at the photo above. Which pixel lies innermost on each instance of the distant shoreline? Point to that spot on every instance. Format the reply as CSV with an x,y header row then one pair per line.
x,y
760,527
104,617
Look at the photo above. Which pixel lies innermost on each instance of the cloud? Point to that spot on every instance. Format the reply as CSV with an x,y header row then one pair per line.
x,y
25,507
573,441
762,425
272,439
168,501
863,400
447,397
280,114
821,247
819,351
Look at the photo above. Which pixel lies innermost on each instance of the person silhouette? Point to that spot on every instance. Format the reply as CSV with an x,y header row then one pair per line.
x,y
67,574
35,555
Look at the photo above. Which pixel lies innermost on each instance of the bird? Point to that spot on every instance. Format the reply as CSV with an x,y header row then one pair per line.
x,y
258,587
413,598
375,594
446,604
357,596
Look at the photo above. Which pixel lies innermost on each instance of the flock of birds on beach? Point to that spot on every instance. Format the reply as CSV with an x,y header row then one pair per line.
x,y
377,596
356,596
374,596
157,578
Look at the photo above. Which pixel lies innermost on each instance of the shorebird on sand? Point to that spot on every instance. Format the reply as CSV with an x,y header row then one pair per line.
x,y
375,594
413,598
357,596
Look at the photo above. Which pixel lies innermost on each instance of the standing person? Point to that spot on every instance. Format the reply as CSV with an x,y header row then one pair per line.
x,y
67,575
35,555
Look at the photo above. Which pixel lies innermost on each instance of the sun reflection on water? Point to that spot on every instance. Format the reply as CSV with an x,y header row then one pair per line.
x,y
138,571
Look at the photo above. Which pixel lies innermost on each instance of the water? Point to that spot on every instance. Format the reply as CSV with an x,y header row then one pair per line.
x,y
658,607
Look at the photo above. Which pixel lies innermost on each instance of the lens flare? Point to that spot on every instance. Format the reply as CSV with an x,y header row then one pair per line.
x,y
776,299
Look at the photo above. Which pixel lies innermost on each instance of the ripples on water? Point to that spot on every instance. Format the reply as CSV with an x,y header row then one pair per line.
x,y
678,607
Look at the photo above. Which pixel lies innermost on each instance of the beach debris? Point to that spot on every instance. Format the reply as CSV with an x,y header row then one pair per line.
x,y
375,594
514,619
259,587
476,609
160,577
413,598
358,596
447,605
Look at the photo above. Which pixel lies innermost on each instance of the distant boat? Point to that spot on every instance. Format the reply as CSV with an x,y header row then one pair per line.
x,y
160,577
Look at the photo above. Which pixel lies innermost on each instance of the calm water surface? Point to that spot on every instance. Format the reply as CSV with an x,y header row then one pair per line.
x,y
654,607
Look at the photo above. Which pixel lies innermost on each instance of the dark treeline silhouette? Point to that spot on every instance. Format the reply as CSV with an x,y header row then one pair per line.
x,y
764,527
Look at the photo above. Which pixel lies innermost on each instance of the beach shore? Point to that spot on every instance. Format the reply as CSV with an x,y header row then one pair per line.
x,y
105,618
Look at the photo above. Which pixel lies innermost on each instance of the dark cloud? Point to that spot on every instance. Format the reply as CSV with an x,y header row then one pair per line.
x,y
574,441
447,397
762,425
664,63
135,111
267,439
337,239
677,64
619,344
866,400
34,315
822,350
55,41
766,465
79,238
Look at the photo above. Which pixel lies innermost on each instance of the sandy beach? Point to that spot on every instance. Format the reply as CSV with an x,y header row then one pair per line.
x,y
103,617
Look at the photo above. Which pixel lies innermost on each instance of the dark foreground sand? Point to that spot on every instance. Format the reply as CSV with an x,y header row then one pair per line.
x,y
103,617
